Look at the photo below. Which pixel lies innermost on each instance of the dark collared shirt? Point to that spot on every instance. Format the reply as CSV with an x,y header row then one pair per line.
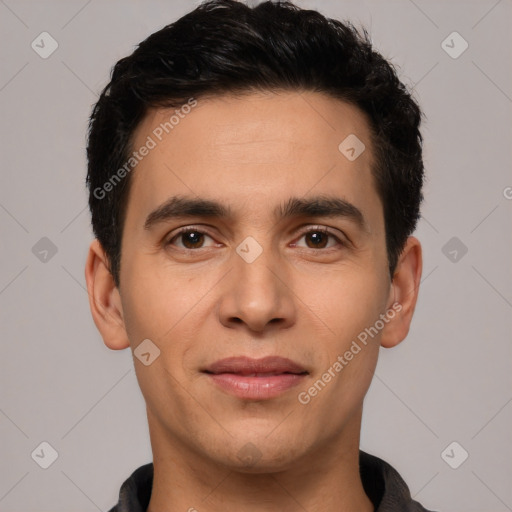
x,y
382,484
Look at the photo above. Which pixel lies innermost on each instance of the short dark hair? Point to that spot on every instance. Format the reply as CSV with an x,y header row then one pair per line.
x,y
227,47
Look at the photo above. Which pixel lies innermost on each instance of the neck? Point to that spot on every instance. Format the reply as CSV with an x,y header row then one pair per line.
x,y
324,479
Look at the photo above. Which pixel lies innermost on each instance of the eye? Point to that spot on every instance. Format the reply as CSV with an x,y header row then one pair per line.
x,y
190,238
318,238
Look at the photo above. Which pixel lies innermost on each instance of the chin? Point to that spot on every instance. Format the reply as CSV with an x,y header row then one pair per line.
x,y
259,454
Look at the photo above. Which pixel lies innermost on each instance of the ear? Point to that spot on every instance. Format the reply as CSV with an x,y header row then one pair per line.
x,y
403,293
104,299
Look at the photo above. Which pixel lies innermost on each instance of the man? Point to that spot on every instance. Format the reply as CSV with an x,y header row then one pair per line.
x,y
255,176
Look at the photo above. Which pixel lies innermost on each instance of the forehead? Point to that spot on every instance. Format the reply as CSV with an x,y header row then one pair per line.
x,y
254,150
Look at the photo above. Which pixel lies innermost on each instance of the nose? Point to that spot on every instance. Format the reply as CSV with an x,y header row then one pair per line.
x,y
258,295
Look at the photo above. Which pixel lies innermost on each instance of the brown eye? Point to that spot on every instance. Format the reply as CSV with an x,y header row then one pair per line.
x,y
189,238
319,238
192,239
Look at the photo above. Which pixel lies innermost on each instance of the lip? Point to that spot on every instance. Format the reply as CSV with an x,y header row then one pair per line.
x,y
243,365
256,379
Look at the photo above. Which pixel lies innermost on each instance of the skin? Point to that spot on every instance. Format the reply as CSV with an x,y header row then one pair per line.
x,y
297,300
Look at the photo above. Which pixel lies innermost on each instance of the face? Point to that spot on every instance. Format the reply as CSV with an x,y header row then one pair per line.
x,y
287,259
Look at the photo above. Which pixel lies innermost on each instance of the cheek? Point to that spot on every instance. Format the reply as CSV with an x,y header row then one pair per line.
x,y
154,309
143,305
347,301
357,301
168,307
152,296
336,395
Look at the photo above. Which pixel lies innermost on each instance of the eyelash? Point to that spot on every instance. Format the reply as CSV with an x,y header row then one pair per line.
x,y
317,229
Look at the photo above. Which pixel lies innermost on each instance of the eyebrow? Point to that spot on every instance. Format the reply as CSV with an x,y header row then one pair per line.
x,y
317,206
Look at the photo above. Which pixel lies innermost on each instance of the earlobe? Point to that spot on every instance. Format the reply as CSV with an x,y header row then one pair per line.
x,y
104,299
403,293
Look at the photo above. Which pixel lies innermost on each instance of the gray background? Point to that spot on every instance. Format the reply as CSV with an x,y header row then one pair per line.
x,y
449,381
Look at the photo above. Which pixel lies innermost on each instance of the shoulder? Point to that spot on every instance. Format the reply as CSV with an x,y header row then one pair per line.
x,y
385,487
135,492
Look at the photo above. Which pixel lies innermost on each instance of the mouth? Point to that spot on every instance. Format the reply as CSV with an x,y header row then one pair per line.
x,y
256,379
